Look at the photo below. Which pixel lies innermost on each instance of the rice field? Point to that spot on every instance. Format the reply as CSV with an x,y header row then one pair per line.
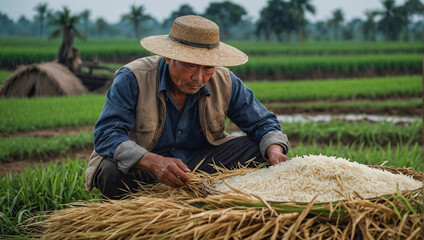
x,y
337,132
288,77
12,148
19,115
294,67
318,58
40,113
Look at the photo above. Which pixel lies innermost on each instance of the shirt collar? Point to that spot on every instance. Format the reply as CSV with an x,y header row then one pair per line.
x,y
165,78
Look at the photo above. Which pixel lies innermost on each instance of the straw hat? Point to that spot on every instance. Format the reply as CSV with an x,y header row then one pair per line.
x,y
194,39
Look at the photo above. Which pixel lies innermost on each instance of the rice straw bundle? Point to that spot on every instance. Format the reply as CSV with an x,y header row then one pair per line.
x,y
328,178
162,212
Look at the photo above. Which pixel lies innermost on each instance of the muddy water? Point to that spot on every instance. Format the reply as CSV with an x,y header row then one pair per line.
x,y
341,117
345,117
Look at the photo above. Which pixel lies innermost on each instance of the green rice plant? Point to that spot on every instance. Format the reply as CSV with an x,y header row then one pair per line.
x,y
382,87
36,190
48,112
17,51
320,48
20,147
380,133
298,66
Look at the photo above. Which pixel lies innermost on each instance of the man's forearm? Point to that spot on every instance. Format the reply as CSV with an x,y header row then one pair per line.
x,y
274,138
128,154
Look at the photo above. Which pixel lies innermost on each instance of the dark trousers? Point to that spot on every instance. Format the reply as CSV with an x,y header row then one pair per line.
x,y
114,184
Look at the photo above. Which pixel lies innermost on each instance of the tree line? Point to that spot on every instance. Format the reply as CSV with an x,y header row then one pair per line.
x,y
279,20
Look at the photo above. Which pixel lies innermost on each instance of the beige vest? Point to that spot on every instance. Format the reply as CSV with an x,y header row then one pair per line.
x,y
151,109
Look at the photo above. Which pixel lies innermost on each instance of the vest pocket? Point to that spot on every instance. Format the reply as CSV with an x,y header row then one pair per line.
x,y
145,123
217,124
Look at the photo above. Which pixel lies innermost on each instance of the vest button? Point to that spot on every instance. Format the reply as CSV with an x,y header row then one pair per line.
x,y
179,132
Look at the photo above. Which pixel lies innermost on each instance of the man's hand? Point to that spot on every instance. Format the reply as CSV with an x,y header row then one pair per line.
x,y
171,171
275,154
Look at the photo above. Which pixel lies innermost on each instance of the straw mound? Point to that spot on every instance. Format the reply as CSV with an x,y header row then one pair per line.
x,y
328,178
162,212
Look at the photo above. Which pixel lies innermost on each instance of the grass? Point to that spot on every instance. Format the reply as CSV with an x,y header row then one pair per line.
x,y
20,147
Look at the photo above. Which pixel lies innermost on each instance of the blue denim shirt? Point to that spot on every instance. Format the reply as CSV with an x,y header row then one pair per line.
x,y
182,136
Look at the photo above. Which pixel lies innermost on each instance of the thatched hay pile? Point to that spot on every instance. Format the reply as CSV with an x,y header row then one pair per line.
x,y
162,212
42,79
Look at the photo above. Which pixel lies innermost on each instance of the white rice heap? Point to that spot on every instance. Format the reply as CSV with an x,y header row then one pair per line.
x,y
303,178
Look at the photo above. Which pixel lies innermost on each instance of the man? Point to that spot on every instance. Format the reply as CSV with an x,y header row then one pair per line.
x,y
164,114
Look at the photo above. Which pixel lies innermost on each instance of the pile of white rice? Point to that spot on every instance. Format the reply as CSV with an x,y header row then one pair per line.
x,y
303,178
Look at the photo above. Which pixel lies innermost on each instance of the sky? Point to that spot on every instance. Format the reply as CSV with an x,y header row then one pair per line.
x,y
161,9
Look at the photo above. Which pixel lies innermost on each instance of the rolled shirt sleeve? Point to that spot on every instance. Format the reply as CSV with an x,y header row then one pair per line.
x,y
261,125
117,118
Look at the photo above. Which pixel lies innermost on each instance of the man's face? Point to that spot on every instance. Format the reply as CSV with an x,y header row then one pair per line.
x,y
188,77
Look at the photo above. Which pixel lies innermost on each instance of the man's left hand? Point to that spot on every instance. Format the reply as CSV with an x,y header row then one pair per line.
x,y
275,154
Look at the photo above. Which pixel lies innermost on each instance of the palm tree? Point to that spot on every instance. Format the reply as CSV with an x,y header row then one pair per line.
x,y
391,21
300,7
322,30
66,26
136,16
226,14
368,27
185,9
263,26
417,31
85,16
42,11
275,19
410,8
101,25
338,18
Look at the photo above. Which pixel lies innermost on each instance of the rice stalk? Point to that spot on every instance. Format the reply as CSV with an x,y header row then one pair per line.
x,y
162,212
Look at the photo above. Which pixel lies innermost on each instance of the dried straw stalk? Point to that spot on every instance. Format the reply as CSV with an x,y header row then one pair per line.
x,y
162,212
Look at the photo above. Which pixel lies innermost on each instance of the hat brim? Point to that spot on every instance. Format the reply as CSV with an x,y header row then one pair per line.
x,y
223,55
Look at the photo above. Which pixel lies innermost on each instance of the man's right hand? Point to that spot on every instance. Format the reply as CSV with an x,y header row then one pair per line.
x,y
171,171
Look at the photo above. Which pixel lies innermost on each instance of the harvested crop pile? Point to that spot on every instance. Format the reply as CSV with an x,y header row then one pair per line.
x,y
328,178
189,212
